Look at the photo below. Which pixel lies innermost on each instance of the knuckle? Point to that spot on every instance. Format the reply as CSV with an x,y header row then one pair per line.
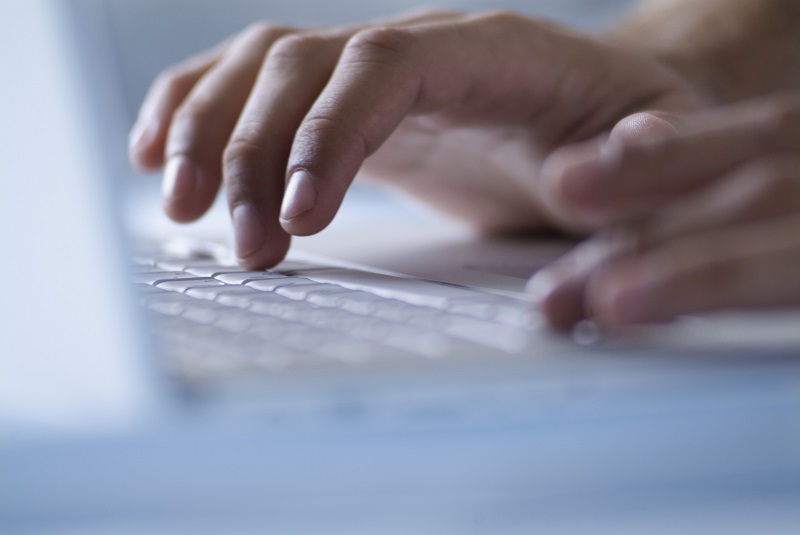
x,y
499,16
378,43
173,80
195,110
317,124
427,12
315,127
292,48
263,32
240,154
315,132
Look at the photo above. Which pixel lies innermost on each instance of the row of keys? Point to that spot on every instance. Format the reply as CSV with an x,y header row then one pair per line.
x,y
445,297
392,315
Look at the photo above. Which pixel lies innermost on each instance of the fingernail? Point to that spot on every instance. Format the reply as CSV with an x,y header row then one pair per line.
x,y
181,178
300,195
250,234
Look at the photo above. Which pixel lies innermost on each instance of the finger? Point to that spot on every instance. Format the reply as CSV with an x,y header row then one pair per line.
x,y
630,177
203,123
763,189
578,159
149,134
384,75
295,71
558,291
751,266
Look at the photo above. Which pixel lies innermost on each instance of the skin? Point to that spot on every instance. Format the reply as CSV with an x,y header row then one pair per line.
x,y
513,124
699,210
735,241
478,100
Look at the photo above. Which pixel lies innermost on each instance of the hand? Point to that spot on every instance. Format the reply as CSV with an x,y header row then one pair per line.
x,y
733,241
457,109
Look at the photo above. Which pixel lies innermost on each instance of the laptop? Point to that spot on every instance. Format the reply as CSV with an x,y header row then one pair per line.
x,y
357,387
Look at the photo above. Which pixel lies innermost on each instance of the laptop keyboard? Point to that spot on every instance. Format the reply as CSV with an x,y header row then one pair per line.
x,y
214,320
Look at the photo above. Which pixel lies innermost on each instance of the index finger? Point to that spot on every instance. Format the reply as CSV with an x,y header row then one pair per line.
x,y
384,75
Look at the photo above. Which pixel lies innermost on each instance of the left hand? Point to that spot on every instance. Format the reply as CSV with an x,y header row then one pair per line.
x,y
706,212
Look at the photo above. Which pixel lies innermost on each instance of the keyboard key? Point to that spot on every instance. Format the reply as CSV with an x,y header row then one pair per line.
x,y
305,313
429,318
272,329
413,291
183,263
137,269
275,305
330,299
167,308
487,334
394,310
357,302
507,311
403,337
303,291
247,276
311,339
213,292
179,285
417,341
199,311
212,270
145,290
293,266
160,276
246,299
269,285
237,321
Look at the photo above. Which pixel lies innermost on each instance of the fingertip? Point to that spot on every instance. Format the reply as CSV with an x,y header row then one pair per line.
x,y
268,256
558,295
647,125
258,245
300,197
307,208
187,191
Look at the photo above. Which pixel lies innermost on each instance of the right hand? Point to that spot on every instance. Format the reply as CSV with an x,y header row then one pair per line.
x,y
457,109
733,242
